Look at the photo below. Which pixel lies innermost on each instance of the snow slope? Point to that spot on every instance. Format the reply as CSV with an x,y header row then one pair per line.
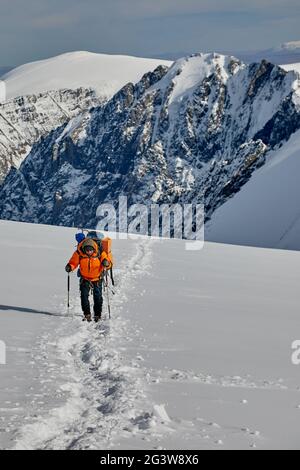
x,y
105,73
196,356
289,67
266,211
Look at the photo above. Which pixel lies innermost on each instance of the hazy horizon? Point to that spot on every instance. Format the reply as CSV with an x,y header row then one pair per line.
x,y
141,28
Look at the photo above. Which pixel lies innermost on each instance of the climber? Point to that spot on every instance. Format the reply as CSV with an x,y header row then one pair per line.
x,y
92,263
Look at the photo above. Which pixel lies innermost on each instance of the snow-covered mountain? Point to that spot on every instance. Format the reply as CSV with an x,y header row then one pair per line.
x,y
38,97
2,92
291,47
24,120
289,67
104,73
286,53
195,133
266,211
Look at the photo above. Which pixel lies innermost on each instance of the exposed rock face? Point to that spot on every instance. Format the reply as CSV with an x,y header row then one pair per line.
x,y
24,120
191,133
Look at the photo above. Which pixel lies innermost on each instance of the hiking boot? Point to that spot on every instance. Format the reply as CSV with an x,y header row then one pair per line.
x,y
87,318
97,318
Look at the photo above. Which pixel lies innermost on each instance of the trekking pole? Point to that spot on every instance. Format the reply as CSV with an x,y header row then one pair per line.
x,y
107,293
68,291
112,277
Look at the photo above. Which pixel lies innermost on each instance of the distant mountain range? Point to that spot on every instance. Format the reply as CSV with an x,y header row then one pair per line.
x,y
286,53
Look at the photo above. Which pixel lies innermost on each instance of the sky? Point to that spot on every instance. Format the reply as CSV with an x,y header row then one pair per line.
x,y
37,29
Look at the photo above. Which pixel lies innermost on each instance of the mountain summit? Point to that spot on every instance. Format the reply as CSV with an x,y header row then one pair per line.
x,y
106,74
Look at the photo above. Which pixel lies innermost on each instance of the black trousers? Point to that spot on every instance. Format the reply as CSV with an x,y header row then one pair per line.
x,y
85,288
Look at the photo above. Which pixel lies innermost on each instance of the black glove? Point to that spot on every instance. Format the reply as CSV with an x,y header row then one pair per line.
x,y
105,263
68,268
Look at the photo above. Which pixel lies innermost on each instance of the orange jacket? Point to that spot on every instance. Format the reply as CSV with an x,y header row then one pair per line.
x,y
90,266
